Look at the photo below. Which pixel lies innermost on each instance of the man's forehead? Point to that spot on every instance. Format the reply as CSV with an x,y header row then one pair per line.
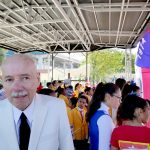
x,y
18,69
14,63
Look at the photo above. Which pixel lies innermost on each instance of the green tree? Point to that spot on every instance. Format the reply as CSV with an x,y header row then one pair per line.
x,y
104,63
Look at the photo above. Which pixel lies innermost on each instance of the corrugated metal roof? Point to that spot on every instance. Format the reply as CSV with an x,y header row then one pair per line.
x,y
72,25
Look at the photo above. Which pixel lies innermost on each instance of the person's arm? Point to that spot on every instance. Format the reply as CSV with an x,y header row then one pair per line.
x,y
113,148
65,137
105,126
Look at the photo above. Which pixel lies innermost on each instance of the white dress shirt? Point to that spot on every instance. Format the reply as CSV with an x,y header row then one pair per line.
x,y
28,113
105,126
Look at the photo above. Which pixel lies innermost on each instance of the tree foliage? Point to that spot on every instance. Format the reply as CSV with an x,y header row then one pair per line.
x,y
104,63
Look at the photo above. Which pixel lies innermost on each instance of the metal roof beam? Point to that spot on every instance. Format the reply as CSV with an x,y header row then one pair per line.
x,y
78,20
109,21
58,42
95,32
143,24
83,20
17,36
57,17
32,23
20,32
34,49
51,26
96,20
8,40
116,9
123,22
148,17
13,45
57,4
119,24
139,5
113,33
25,21
107,5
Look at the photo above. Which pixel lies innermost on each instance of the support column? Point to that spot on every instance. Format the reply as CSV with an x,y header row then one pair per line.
x,y
49,65
86,77
52,66
128,64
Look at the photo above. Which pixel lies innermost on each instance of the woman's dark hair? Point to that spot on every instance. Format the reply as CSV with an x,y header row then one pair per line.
x,y
127,108
127,89
60,91
54,82
136,88
48,84
80,94
87,89
70,87
73,101
46,91
1,86
84,97
76,85
120,82
99,96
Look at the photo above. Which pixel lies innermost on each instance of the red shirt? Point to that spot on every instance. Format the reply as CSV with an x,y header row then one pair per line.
x,y
130,133
39,88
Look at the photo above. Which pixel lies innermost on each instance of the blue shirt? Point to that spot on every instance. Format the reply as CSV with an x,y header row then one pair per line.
x,y
94,131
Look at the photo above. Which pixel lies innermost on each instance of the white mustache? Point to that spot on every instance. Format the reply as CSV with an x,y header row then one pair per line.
x,y
19,94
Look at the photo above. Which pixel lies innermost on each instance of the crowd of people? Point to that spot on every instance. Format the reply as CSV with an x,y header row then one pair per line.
x,y
101,117
110,116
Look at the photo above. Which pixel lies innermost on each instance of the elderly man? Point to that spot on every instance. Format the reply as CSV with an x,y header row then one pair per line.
x,y
30,121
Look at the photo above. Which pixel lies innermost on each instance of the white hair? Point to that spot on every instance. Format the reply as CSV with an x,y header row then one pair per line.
x,y
25,57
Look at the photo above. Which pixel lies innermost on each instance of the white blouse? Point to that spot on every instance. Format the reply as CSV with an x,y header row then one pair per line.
x,y
105,126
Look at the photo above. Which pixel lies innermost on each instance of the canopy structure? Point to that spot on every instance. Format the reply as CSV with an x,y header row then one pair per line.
x,y
72,25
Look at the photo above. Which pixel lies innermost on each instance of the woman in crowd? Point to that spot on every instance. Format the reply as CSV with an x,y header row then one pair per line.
x,y
120,82
132,114
100,123
127,89
130,88
136,90
77,90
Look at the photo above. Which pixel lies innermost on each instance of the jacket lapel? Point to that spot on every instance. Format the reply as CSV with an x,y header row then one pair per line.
x,y
8,126
79,114
38,121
